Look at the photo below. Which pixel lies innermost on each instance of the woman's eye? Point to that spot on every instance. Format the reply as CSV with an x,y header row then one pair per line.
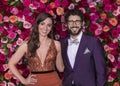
x,y
42,23
49,25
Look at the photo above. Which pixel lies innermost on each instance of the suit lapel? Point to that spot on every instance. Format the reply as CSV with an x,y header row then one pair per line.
x,y
66,55
80,49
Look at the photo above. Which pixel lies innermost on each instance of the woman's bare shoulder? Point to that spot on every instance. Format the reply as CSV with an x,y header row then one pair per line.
x,y
57,44
23,46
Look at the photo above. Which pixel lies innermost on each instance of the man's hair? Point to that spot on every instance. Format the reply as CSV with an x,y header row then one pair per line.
x,y
74,12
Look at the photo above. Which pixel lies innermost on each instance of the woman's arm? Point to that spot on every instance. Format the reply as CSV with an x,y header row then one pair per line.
x,y
59,60
14,60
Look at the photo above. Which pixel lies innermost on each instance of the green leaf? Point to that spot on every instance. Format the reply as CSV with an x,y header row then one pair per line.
x,y
11,40
1,78
19,24
20,84
110,15
118,71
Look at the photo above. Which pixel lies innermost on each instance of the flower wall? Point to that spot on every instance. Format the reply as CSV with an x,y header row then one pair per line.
x,y
17,18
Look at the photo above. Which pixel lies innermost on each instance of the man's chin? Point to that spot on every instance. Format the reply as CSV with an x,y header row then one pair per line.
x,y
74,34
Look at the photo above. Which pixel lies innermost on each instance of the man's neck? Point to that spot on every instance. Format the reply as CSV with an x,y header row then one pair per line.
x,y
75,36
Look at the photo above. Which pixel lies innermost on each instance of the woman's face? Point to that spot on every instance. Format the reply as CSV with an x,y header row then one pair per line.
x,y
45,27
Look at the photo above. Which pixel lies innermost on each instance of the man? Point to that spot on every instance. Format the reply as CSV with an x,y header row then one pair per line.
x,y
82,54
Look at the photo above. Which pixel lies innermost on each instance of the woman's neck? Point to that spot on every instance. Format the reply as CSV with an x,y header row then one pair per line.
x,y
43,40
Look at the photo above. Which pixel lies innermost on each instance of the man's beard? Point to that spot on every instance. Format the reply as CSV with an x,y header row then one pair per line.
x,y
74,33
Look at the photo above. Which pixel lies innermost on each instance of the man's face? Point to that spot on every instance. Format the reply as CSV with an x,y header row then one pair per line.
x,y
74,24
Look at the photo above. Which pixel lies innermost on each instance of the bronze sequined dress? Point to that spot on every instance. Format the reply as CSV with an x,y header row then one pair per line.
x,y
45,73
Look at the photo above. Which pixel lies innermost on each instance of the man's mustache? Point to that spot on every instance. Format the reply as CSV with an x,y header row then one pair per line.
x,y
74,27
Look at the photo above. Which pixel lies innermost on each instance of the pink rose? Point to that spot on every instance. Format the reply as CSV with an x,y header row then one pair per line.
x,y
115,6
26,2
1,67
89,1
65,3
19,41
82,9
1,17
94,17
114,75
2,58
115,33
4,2
6,19
57,36
110,79
11,84
26,12
24,34
11,51
107,8
84,3
115,53
111,57
93,9
93,27
106,1
27,25
118,28
32,7
4,33
4,83
113,64
92,4
106,48
26,72
9,45
42,6
4,40
77,1
12,35
98,32
114,45
14,10
2,51
71,6
115,13
58,3
118,64
5,67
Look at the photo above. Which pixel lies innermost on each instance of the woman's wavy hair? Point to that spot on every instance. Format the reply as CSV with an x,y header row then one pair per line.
x,y
33,42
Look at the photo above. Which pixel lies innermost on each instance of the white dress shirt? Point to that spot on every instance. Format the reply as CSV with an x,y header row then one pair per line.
x,y
73,48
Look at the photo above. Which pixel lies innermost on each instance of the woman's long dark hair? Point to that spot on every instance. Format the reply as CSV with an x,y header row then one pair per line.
x,y
33,42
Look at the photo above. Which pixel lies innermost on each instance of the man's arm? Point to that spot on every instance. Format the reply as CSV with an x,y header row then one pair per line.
x,y
100,63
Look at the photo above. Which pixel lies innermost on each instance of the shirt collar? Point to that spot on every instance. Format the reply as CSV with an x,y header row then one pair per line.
x,y
78,37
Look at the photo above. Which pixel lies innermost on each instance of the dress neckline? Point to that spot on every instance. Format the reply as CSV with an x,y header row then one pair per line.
x,y
42,63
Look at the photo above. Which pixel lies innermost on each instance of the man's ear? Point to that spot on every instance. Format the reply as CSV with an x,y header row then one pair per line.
x,y
83,23
64,24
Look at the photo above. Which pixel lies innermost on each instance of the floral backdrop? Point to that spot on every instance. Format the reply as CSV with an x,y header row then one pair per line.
x,y
17,18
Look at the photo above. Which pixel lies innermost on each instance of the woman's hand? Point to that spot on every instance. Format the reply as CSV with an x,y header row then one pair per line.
x,y
29,80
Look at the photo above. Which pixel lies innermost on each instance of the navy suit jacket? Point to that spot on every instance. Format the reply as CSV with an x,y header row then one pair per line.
x,y
89,68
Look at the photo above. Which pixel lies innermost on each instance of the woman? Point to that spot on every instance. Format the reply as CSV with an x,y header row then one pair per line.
x,y
43,53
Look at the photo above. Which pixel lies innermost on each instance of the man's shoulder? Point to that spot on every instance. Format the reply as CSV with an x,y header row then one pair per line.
x,y
90,37
64,39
